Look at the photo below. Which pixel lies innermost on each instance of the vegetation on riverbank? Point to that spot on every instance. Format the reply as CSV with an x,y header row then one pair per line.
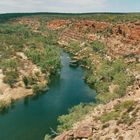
x,y
75,114
110,76
3,105
18,38
28,58
110,80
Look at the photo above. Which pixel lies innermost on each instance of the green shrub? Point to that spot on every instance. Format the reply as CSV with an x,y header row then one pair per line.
x,y
109,73
3,105
106,97
125,105
121,113
38,88
105,125
119,66
48,59
11,77
26,81
98,46
138,67
75,114
47,137
74,47
10,64
125,118
51,38
109,116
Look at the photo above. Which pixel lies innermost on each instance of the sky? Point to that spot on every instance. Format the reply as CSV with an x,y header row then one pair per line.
x,y
69,6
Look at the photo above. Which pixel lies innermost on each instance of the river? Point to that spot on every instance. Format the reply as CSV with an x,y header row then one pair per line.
x,y
32,118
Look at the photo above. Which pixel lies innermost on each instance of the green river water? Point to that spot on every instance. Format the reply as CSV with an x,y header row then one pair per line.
x,y
32,118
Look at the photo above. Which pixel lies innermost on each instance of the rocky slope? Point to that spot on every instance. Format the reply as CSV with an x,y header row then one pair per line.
x,y
118,119
103,124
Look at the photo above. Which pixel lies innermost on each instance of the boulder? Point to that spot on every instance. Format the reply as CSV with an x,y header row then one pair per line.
x,y
83,132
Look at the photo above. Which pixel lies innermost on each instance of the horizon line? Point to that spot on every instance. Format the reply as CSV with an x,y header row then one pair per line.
x,y
70,13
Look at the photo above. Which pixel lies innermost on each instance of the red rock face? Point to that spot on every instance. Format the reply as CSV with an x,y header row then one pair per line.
x,y
81,29
101,26
91,25
122,41
135,33
70,35
57,24
121,29
130,31
91,37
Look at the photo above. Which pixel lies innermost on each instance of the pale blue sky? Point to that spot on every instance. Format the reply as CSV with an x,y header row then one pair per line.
x,y
69,6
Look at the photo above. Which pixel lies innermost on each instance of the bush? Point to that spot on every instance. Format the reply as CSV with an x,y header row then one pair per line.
x,y
109,116
48,59
125,105
123,81
11,77
75,114
38,88
51,38
98,47
121,113
125,118
26,81
3,105
74,47
10,64
119,66
47,137
106,97
109,73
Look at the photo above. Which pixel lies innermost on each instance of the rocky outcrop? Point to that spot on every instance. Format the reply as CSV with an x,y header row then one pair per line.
x,y
58,24
131,31
81,30
19,89
31,22
92,128
84,131
122,41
